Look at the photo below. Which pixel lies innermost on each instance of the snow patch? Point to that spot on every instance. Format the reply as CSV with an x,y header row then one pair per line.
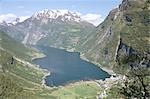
x,y
64,15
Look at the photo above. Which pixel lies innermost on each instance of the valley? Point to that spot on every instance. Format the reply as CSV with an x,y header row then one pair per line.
x,y
56,54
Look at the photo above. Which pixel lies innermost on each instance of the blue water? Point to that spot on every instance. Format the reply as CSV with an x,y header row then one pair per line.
x,y
67,66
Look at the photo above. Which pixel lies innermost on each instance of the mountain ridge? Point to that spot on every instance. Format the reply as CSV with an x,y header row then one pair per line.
x,y
64,15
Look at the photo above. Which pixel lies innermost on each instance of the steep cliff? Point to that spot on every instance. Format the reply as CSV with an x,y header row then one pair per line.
x,y
125,30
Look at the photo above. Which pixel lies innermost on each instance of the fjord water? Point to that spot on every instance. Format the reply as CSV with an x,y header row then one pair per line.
x,y
67,67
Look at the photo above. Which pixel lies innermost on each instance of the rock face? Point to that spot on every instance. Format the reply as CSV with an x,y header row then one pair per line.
x,y
125,31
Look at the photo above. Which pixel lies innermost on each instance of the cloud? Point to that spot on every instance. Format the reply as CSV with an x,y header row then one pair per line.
x,y
95,19
7,17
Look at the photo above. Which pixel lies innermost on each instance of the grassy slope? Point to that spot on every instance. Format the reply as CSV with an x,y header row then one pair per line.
x,y
16,48
100,47
80,90
16,81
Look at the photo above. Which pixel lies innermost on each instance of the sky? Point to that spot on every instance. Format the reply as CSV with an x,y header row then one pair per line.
x,y
94,11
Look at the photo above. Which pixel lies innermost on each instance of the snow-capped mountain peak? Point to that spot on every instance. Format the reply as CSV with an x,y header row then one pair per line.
x,y
13,21
64,15
10,23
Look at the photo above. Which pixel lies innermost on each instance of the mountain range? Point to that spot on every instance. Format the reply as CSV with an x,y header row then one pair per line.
x,y
51,27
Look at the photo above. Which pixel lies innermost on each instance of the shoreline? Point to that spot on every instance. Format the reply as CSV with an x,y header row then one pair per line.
x,y
109,71
107,83
43,82
44,78
38,56
45,72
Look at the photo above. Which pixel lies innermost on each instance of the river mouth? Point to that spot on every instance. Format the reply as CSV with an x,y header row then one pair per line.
x,y
66,67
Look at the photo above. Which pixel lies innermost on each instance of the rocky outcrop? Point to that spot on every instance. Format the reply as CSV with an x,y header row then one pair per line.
x,y
128,55
123,50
